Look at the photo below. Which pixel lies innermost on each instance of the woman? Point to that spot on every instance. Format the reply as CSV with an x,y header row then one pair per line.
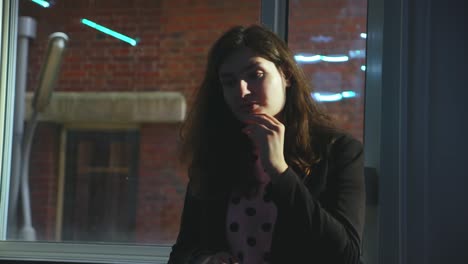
x,y
271,179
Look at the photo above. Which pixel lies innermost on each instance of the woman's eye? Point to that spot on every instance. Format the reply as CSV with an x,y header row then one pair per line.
x,y
255,75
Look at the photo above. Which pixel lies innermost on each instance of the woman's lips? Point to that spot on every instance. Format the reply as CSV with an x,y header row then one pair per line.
x,y
250,107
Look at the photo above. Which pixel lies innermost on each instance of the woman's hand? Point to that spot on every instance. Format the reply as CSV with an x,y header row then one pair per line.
x,y
218,258
267,135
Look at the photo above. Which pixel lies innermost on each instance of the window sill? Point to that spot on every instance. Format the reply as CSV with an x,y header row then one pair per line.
x,y
83,253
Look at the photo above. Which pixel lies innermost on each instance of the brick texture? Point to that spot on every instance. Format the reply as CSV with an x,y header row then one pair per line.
x,y
43,172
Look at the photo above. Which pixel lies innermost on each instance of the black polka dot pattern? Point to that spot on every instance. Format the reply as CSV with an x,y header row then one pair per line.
x,y
251,241
266,227
250,224
234,227
250,211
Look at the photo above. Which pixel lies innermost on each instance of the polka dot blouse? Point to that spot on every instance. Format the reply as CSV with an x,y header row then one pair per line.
x,y
250,224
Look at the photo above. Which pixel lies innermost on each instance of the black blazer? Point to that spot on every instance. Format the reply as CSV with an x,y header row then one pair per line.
x,y
320,218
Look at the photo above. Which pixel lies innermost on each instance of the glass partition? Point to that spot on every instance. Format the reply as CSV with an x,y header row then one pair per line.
x,y
102,145
103,160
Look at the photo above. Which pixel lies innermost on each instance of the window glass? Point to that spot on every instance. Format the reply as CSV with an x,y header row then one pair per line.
x,y
127,77
103,162
328,38
329,41
100,188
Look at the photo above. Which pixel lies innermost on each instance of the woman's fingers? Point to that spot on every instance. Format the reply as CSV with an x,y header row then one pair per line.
x,y
268,121
253,128
263,116
258,133
267,135
272,119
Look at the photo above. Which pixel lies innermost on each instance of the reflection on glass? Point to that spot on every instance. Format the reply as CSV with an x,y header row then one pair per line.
x,y
112,174
109,31
104,162
328,39
336,28
100,191
42,3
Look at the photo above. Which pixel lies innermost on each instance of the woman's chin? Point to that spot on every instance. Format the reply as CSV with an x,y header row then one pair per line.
x,y
243,120
245,116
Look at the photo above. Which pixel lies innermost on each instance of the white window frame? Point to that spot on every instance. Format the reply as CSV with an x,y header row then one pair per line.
x,y
7,69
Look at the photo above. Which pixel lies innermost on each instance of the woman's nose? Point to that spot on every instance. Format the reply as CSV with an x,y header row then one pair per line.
x,y
244,88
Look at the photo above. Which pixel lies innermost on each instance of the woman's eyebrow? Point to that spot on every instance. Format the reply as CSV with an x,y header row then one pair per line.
x,y
250,66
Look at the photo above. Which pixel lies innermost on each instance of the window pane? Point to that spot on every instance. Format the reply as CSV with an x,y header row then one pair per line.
x,y
103,165
328,39
100,190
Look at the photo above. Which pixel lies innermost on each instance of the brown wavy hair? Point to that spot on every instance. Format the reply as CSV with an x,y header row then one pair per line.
x,y
217,153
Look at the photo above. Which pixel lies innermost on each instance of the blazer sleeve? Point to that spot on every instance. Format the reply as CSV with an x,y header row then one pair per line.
x,y
332,224
201,229
186,246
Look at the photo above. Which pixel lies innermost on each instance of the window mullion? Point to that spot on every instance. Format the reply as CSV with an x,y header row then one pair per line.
x,y
274,15
8,20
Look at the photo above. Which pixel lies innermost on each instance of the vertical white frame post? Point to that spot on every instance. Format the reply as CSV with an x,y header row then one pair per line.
x,y
8,38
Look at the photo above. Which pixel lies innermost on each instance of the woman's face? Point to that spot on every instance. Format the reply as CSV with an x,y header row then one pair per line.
x,y
252,84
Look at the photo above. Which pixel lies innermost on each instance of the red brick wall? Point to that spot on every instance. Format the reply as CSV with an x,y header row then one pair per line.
x,y
175,36
43,171
161,184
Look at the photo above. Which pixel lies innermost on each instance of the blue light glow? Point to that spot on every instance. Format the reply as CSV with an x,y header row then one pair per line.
x,y
333,97
42,3
321,39
357,54
327,97
348,94
108,31
302,58
317,58
363,68
334,58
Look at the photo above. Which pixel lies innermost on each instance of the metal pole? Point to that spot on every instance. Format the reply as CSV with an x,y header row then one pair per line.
x,y
27,231
48,78
26,30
